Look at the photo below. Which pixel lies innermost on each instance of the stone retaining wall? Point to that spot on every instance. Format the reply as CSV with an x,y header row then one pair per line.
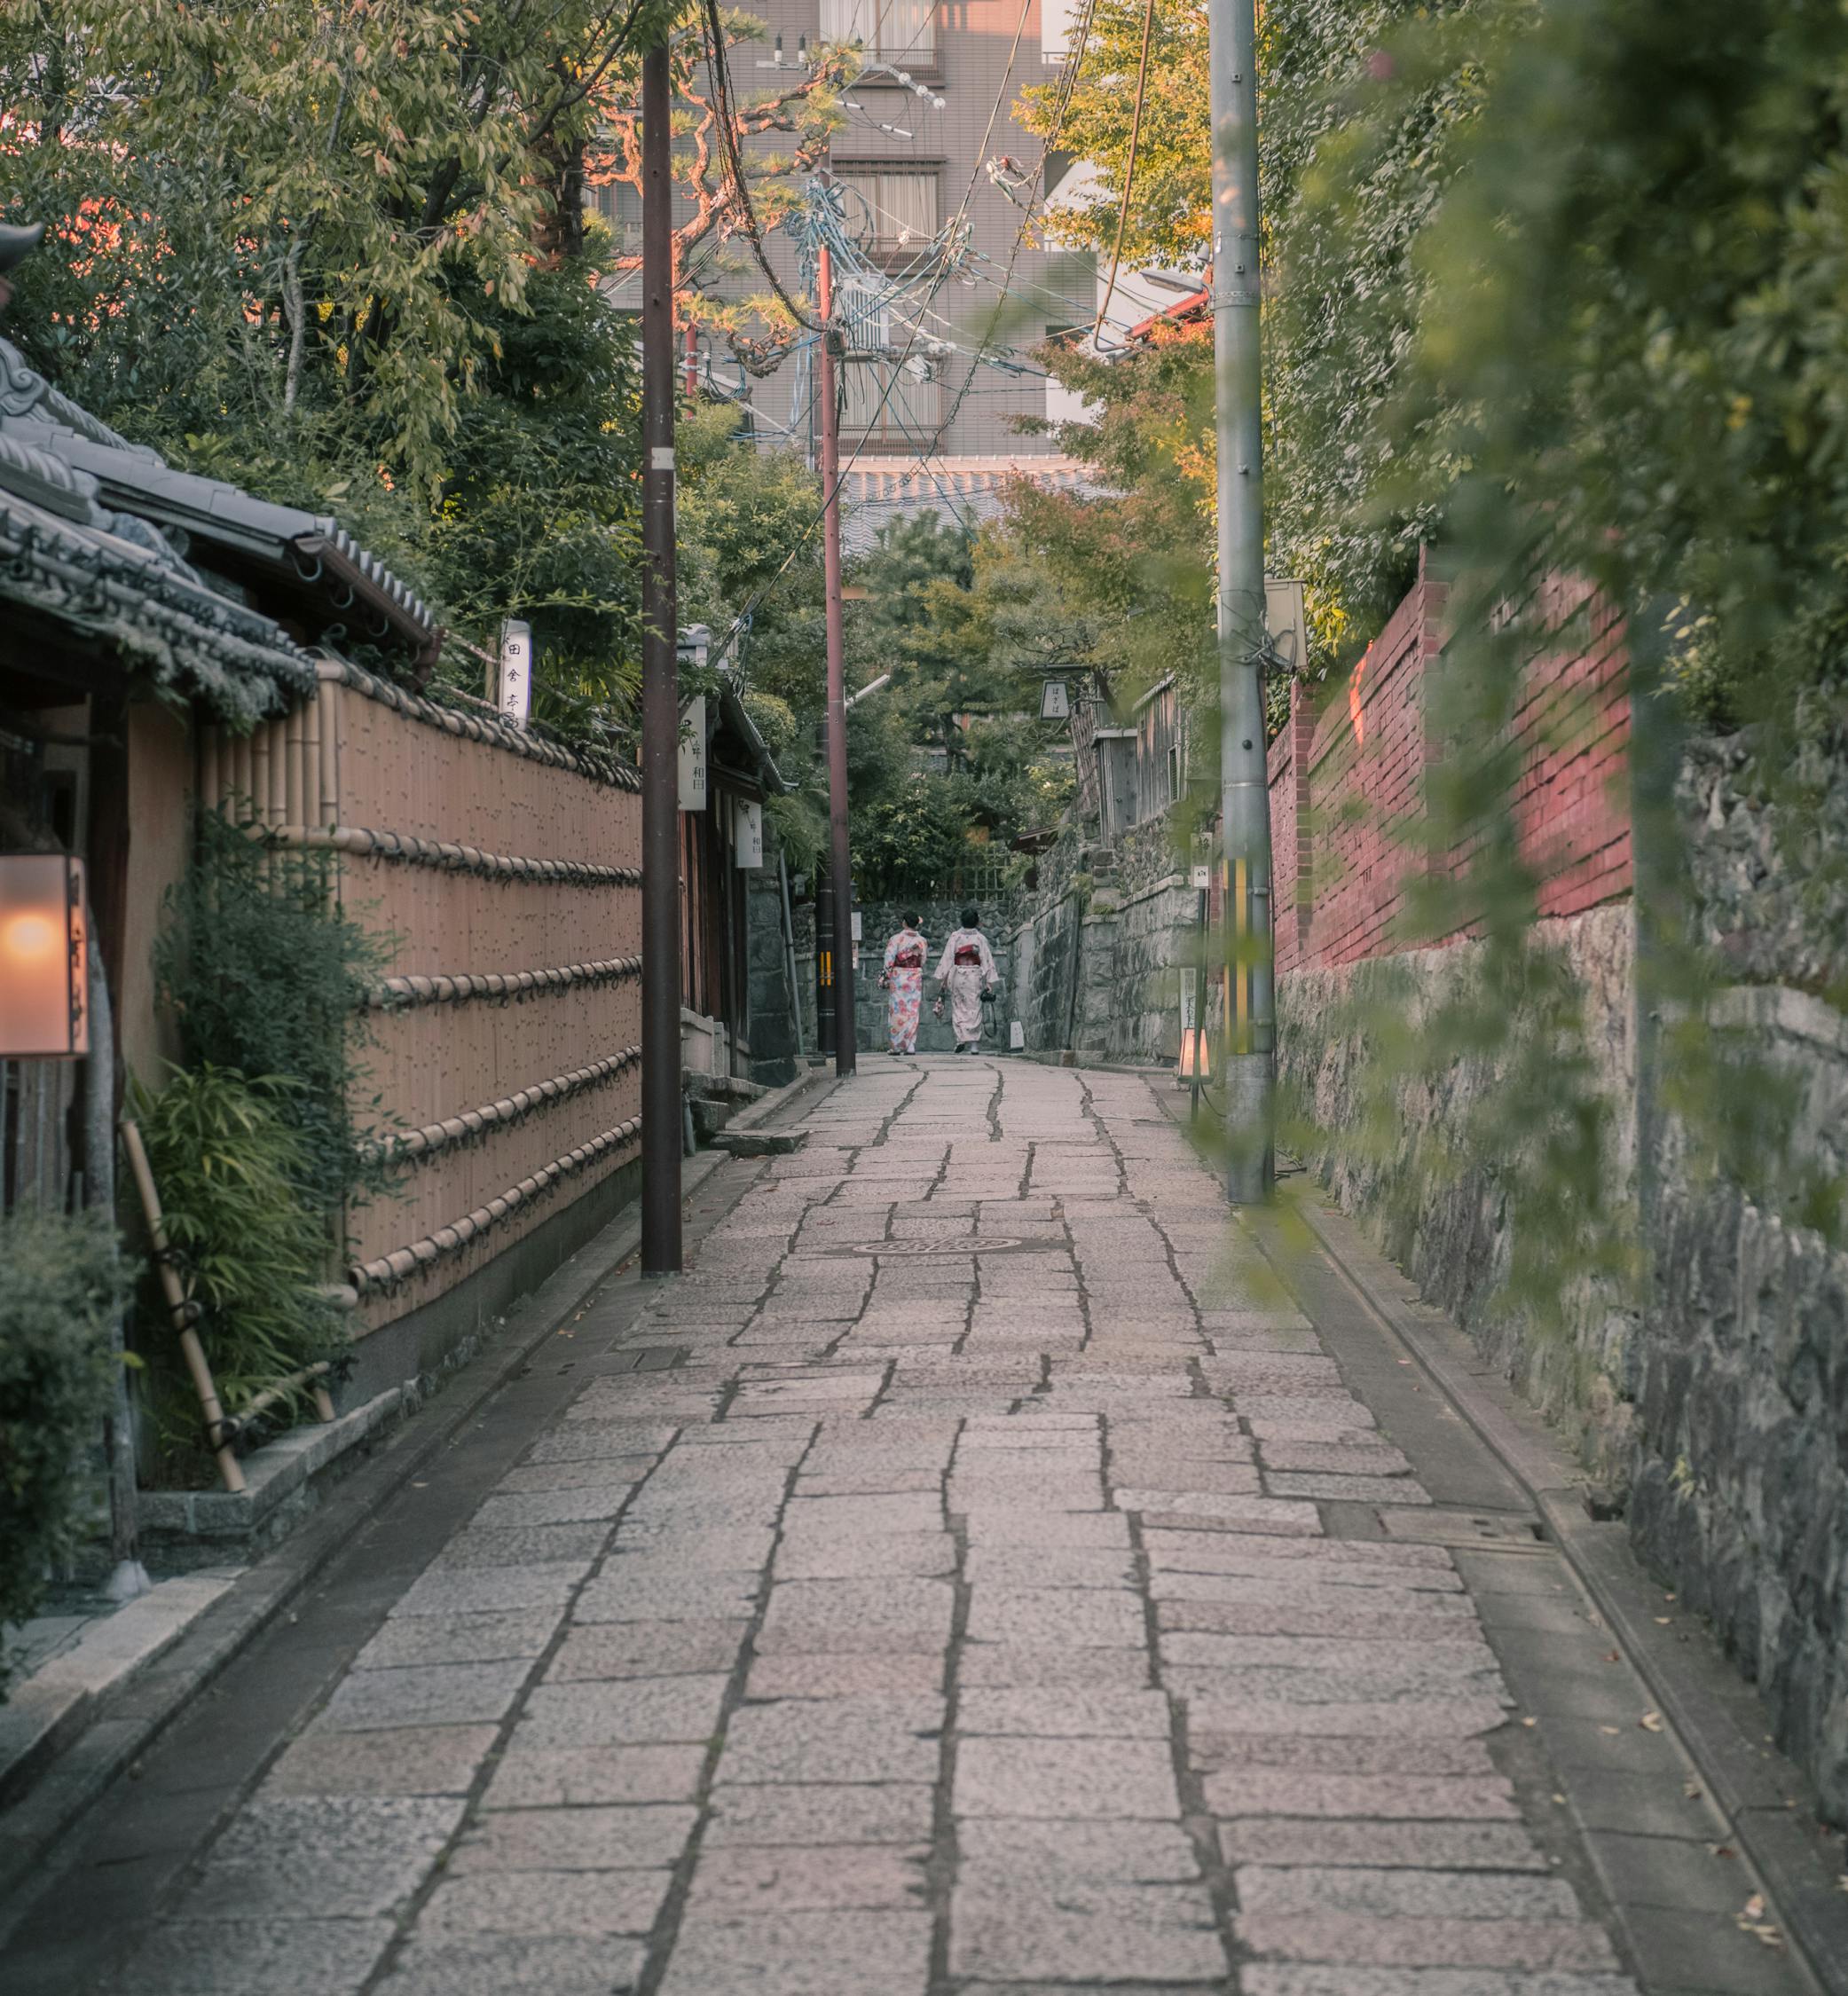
x,y
1706,1386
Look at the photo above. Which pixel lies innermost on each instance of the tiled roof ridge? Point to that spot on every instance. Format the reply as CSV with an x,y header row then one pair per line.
x,y
89,576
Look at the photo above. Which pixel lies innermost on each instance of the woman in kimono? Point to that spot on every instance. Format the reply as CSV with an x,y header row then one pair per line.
x,y
903,979
965,970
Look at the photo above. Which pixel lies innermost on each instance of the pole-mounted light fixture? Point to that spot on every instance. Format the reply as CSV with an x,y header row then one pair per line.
x,y
44,958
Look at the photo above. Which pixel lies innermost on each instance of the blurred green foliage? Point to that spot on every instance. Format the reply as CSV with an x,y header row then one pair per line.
x,y
264,972
64,1283
229,1165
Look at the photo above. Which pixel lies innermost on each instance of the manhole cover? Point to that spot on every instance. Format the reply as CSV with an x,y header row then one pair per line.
x,y
1488,1531
935,1250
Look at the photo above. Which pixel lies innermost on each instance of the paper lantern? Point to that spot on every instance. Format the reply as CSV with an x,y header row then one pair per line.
x,y
44,960
1194,1057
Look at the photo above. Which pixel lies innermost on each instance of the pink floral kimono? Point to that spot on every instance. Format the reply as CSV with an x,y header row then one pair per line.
x,y
903,979
966,970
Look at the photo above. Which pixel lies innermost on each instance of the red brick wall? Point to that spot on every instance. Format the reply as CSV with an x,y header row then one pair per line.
x,y
1347,785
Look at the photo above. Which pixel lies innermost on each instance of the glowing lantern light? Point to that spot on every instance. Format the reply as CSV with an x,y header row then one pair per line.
x,y
1194,1057
44,960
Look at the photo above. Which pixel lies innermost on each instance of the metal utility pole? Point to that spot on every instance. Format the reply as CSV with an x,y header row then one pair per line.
x,y
839,867
660,698
1245,795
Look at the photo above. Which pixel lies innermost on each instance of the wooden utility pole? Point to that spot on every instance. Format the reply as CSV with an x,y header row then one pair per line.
x,y
839,867
660,696
1244,639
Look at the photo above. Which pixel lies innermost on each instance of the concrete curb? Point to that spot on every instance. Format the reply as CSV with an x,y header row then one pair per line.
x,y
1712,1710
94,1743
49,1708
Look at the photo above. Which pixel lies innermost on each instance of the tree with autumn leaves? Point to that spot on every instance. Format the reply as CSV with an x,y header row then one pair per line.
x,y
337,253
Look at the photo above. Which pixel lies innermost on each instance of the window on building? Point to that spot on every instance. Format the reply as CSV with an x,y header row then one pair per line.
x,y
1056,29
901,32
891,210
619,207
890,403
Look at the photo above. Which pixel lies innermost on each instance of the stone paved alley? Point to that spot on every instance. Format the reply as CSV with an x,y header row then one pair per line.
x,y
972,1577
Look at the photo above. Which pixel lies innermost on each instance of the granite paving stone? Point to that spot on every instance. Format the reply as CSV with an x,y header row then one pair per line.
x,y
574,1839
441,1759
744,1878
1425,1895
217,1957
792,1814
585,1903
343,1857
424,1694
1065,1779
624,1712
1427,1943
645,1649
459,1639
529,1777
1444,1846
517,1965
951,1621
866,1739
824,1952
1079,1618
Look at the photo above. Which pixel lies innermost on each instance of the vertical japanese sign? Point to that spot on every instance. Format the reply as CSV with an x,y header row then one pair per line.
x,y
693,754
748,833
512,688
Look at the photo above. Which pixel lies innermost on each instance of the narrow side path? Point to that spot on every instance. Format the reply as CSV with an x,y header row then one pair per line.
x,y
975,1575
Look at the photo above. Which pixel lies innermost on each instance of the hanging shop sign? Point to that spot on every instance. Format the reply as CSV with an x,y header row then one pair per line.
x,y
44,958
1055,700
513,685
693,754
748,833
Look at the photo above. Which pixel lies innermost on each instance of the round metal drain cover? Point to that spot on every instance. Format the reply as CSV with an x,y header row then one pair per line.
x,y
962,1249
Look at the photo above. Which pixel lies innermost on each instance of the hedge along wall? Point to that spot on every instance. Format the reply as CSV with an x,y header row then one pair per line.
x,y
1348,788
507,1038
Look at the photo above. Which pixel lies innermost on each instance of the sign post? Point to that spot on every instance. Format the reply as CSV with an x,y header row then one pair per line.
x,y
513,681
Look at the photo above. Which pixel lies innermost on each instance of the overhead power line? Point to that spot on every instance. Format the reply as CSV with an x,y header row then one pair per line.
x,y
719,71
1122,219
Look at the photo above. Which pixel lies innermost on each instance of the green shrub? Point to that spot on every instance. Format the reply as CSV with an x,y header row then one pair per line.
x,y
62,1283
229,1167
267,974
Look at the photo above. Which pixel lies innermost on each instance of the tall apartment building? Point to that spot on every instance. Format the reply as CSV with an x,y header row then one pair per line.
x,y
926,421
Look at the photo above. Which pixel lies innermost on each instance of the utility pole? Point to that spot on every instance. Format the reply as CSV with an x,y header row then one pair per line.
x,y
839,867
1245,793
660,697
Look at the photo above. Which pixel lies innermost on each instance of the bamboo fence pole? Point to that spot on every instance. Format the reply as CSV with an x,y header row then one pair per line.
x,y
260,773
210,766
294,790
328,701
271,1395
277,732
310,760
183,1309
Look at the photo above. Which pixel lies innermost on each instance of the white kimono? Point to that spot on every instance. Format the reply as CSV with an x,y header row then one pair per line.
x,y
966,970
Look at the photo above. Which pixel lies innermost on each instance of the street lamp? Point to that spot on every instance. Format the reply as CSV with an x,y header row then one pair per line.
x,y
44,958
